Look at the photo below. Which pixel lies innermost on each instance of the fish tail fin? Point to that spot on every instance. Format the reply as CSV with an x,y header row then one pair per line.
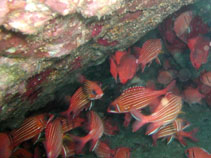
x,y
191,134
152,128
94,145
170,86
154,139
81,78
113,69
140,119
181,140
142,67
80,143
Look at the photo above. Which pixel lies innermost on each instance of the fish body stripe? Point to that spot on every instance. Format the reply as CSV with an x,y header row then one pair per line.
x,y
31,127
169,111
137,98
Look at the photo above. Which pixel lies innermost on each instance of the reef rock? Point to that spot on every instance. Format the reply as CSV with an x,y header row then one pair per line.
x,y
44,41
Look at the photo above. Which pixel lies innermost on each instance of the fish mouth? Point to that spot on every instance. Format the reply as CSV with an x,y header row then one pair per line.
x,y
99,96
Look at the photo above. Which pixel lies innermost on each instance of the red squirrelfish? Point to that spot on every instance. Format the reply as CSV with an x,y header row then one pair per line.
x,y
110,128
5,146
136,98
165,77
53,136
205,78
166,112
197,152
192,95
82,97
174,129
91,89
96,129
124,65
122,152
149,51
182,25
30,128
199,50
102,150
68,125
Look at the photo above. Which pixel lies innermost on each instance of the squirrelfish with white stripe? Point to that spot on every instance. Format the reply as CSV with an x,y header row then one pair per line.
x,y
136,98
165,113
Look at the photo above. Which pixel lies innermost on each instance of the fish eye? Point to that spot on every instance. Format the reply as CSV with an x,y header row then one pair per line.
x,y
94,92
112,108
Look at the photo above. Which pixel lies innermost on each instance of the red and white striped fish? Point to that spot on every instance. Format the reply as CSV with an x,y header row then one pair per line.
x,y
53,136
166,112
205,78
82,98
197,152
30,128
149,51
122,152
174,130
68,125
136,98
96,129
102,150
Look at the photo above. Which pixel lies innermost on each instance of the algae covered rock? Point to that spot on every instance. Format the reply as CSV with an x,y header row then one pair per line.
x,y
43,44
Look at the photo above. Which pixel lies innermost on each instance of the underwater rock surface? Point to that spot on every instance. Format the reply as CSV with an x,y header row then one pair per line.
x,y
42,44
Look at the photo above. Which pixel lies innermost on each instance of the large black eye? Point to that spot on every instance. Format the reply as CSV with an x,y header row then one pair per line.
x,y
94,92
112,108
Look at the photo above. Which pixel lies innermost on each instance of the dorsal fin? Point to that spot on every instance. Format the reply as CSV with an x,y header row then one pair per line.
x,y
119,55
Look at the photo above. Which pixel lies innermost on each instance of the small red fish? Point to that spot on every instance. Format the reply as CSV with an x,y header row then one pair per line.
x,y
205,78
5,146
149,51
96,129
165,77
124,65
165,113
68,125
199,50
122,152
91,89
53,138
182,25
192,95
82,98
127,119
198,27
102,150
136,98
110,128
197,152
30,128
21,153
174,130
171,41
